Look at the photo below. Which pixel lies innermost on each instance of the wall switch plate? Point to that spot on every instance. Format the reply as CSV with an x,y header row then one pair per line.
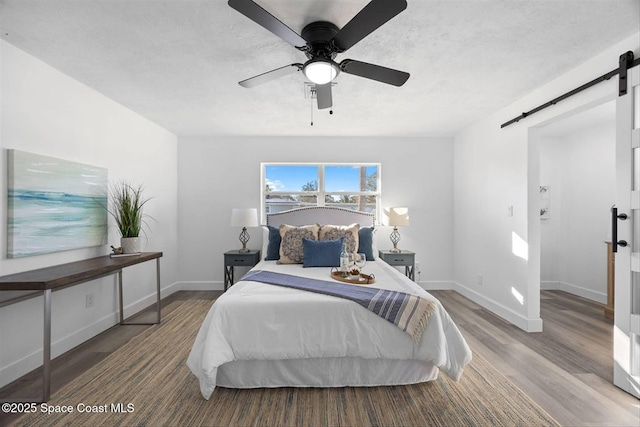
x,y
510,210
479,279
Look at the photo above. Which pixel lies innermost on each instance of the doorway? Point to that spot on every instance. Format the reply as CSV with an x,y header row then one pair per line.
x,y
577,190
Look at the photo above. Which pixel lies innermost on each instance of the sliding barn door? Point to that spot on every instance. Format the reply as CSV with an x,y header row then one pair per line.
x,y
626,221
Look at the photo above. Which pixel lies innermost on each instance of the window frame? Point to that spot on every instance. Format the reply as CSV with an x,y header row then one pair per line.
x,y
321,193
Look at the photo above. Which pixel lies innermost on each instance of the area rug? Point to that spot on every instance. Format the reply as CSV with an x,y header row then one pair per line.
x,y
147,383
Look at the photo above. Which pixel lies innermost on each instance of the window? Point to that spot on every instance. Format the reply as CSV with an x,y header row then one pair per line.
x,y
352,186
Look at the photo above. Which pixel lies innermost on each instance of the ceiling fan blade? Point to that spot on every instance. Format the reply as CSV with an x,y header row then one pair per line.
x,y
270,75
323,96
257,14
374,72
369,19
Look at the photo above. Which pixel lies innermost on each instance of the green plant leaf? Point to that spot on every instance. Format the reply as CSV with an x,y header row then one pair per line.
x,y
127,202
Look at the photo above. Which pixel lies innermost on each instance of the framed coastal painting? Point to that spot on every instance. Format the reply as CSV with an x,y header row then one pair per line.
x,y
53,205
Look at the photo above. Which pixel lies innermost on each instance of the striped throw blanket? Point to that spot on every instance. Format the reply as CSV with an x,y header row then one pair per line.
x,y
407,312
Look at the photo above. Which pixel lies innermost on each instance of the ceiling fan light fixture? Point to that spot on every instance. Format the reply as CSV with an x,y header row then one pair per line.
x,y
321,71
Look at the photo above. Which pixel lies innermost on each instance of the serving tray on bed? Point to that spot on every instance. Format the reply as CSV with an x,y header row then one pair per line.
x,y
363,279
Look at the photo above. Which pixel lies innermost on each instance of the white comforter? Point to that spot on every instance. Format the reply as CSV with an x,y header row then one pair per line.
x,y
259,321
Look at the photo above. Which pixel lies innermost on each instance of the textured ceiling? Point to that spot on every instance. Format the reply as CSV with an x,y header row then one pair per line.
x,y
178,62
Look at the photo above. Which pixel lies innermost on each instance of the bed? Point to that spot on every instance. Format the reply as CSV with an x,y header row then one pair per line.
x,y
260,334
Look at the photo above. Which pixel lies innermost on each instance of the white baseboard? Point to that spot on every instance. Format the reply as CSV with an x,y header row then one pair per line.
x,y
29,362
168,290
436,285
201,286
522,322
580,291
142,303
549,285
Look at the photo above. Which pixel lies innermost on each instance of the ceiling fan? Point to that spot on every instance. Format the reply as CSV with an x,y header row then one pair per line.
x,y
321,41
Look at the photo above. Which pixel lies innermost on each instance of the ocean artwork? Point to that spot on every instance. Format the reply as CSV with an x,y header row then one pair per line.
x,y
54,205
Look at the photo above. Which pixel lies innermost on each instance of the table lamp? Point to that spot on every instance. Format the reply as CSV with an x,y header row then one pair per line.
x,y
398,217
244,218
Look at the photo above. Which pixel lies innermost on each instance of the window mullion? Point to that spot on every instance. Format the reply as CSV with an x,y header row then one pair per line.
x,y
321,192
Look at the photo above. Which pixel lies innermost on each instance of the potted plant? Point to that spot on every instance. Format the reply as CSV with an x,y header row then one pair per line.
x,y
127,202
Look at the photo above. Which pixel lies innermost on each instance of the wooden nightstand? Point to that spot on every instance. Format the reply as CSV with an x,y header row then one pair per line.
x,y
406,258
236,259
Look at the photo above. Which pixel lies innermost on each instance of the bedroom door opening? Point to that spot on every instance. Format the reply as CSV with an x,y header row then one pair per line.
x,y
577,190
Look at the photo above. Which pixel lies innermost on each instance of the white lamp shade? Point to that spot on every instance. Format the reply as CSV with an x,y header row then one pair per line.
x,y
398,216
244,217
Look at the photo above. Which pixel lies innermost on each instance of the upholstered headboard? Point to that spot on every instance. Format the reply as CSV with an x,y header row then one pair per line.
x,y
321,215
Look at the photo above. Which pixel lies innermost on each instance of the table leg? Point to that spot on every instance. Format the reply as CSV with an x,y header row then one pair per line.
x,y
46,349
158,288
120,302
158,314
409,271
228,276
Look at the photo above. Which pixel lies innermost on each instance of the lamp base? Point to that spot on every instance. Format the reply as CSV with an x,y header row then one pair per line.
x,y
244,238
395,238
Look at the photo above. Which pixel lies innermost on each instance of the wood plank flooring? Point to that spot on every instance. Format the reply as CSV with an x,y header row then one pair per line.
x,y
567,369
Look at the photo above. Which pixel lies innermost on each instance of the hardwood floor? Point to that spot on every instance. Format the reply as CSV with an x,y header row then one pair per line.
x,y
567,369
77,360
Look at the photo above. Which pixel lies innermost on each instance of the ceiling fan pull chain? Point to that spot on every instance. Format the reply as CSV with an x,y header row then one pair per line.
x,y
311,104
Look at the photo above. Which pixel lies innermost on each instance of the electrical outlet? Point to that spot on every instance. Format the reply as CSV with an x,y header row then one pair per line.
x,y
418,271
479,279
89,301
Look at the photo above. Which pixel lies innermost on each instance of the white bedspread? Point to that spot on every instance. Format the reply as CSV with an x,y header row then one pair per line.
x,y
259,321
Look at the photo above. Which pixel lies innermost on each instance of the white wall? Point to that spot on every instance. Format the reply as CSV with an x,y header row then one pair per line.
x,y
44,111
218,174
498,167
579,166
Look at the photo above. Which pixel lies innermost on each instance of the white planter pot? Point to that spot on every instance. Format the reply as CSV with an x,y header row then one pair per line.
x,y
130,245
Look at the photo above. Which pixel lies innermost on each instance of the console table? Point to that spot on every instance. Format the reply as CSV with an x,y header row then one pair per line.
x,y
31,283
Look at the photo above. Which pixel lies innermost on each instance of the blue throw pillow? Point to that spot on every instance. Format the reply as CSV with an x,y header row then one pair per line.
x,y
365,238
322,253
273,248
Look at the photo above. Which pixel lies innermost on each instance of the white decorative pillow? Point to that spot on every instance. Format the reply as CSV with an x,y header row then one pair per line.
x,y
349,232
291,248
